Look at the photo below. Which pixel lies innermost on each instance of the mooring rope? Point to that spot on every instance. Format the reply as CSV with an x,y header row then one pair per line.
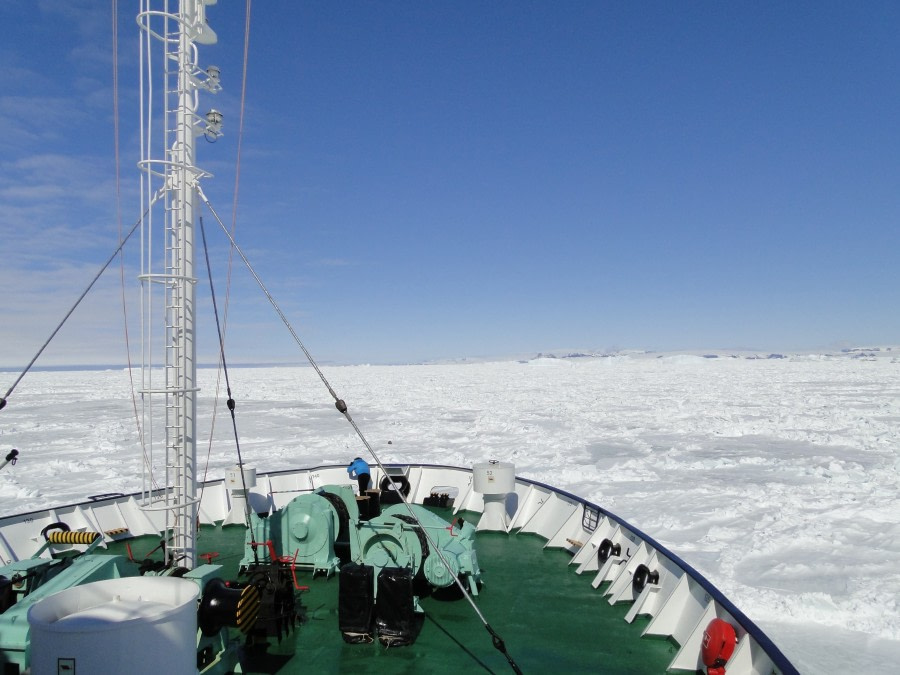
x,y
342,408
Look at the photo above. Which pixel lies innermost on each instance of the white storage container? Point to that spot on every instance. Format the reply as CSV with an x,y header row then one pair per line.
x,y
131,625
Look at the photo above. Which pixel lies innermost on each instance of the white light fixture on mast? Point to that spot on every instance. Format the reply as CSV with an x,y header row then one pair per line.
x,y
213,125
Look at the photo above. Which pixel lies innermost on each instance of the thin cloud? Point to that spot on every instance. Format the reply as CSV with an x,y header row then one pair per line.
x,y
39,118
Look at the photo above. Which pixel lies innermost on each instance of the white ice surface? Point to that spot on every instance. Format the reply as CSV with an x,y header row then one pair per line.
x,y
776,479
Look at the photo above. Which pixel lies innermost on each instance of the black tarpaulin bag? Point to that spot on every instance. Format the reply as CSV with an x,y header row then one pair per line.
x,y
356,603
396,619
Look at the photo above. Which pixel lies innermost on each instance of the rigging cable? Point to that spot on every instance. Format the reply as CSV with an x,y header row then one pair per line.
x,y
224,364
118,163
71,309
234,207
117,252
342,408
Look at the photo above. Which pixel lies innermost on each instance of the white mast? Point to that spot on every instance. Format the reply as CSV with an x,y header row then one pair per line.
x,y
169,99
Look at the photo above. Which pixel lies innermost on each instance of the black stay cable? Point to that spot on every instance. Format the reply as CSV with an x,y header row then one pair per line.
x,y
501,647
231,404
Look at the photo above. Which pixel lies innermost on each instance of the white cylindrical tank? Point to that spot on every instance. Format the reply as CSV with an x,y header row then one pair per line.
x,y
494,478
130,625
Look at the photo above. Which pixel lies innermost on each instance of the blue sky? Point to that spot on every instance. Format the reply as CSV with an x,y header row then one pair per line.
x,y
448,179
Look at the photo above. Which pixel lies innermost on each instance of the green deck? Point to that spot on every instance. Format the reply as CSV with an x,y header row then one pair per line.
x,y
550,618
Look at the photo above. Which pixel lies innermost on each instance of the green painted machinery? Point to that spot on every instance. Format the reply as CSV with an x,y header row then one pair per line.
x,y
25,584
324,531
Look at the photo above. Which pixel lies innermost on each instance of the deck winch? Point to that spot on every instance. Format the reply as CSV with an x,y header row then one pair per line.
x,y
312,526
400,555
323,531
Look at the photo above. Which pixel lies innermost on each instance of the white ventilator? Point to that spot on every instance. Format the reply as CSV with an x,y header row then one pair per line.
x,y
238,482
495,481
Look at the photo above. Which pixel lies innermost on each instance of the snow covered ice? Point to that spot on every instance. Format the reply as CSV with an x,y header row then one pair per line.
x,y
775,479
